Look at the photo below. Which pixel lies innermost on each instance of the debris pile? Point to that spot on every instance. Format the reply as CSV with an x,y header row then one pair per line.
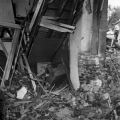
x,y
97,99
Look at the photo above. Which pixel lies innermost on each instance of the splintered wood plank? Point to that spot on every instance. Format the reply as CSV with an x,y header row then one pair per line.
x,y
10,57
60,27
54,27
51,20
29,71
17,55
35,14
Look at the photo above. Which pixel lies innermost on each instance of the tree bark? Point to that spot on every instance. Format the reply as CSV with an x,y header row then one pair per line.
x,y
80,42
103,29
89,37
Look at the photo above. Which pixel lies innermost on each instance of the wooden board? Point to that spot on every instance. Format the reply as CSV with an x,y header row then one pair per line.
x,y
35,14
10,57
60,27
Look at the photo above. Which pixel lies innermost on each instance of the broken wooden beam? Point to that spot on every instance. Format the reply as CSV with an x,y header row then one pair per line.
x,y
17,55
35,14
60,27
10,58
29,71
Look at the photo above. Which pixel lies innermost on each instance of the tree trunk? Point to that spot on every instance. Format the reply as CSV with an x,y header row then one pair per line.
x,y
89,37
80,42
103,29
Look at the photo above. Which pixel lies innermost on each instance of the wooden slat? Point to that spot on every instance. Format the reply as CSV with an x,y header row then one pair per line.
x,y
10,57
52,21
11,25
35,14
17,55
29,71
56,26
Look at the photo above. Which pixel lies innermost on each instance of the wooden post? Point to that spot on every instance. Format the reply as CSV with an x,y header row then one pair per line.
x,y
29,71
99,28
10,57
95,29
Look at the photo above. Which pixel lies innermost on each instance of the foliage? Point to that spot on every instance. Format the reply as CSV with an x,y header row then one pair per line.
x,y
114,15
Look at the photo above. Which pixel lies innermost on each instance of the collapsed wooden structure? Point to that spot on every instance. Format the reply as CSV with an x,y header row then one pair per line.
x,y
83,33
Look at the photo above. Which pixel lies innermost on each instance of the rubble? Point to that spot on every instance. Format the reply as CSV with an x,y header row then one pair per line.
x,y
97,99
